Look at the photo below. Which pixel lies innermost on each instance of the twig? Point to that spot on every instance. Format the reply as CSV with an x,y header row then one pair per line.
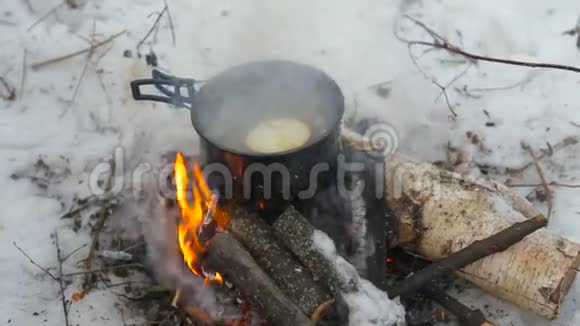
x,y
43,17
10,90
153,27
440,42
443,89
433,80
467,316
562,144
105,269
534,185
61,282
176,298
23,75
472,253
29,6
86,65
73,252
170,23
547,191
575,31
469,91
72,55
407,264
99,226
46,271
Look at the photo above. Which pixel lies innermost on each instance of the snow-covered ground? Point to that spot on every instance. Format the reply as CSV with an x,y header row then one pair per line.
x,y
352,40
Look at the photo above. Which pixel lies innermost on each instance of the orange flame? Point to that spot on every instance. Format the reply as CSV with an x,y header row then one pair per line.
x,y
192,215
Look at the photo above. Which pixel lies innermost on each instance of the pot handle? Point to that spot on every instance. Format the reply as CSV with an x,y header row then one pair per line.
x,y
170,86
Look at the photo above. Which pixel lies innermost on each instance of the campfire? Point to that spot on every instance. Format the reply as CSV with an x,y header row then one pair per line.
x,y
289,251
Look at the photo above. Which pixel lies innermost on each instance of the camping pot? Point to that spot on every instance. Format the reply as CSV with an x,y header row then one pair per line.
x,y
273,124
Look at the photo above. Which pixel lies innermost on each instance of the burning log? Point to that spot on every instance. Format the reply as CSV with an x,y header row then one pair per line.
x,y
441,213
226,254
292,278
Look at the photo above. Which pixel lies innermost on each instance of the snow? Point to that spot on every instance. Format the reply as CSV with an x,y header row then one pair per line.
x,y
352,40
367,305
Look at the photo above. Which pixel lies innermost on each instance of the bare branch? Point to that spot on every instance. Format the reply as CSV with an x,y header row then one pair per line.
x,y
441,43
34,263
10,92
547,191
60,280
170,23
153,27
68,56
23,75
43,17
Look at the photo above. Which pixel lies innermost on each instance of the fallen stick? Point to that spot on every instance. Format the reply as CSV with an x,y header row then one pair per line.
x,y
60,280
466,316
548,192
406,264
292,278
42,64
472,253
226,254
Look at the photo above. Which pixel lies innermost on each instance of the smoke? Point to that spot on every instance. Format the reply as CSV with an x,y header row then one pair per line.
x,y
159,225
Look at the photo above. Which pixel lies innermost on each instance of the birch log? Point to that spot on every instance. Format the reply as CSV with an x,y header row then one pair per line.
x,y
441,212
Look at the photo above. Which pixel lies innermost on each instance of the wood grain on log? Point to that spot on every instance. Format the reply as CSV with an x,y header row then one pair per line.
x,y
296,233
292,278
227,255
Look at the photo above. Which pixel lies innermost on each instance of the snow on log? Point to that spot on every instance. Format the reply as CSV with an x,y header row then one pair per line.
x,y
442,212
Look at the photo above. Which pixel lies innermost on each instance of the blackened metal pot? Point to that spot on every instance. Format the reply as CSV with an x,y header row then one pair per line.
x,y
227,106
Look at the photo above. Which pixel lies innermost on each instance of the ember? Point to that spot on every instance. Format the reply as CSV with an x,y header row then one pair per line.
x,y
193,215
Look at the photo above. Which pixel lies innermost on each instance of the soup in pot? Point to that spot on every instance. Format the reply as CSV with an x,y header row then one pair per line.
x,y
278,135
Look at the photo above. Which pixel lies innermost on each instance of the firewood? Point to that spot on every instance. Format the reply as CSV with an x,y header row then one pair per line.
x,y
226,254
472,253
444,212
296,233
317,251
292,278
